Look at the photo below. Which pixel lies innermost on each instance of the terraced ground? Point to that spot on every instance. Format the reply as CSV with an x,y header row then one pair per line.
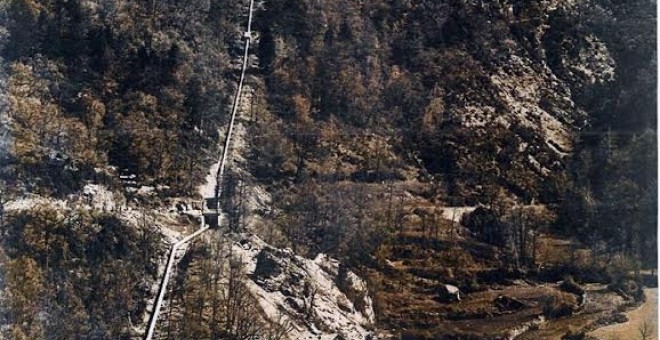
x,y
409,285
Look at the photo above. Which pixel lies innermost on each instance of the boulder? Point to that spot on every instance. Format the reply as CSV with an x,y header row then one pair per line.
x,y
507,303
305,293
268,265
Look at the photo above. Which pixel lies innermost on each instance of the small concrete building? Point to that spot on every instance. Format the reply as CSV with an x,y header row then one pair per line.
x,y
210,212
448,293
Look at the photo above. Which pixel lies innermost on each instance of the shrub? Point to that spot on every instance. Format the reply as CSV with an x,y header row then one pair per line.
x,y
569,286
486,226
553,308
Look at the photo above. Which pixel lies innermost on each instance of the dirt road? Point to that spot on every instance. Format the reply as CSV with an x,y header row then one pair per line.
x,y
648,312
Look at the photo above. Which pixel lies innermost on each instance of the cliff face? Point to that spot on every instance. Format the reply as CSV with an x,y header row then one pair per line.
x,y
515,126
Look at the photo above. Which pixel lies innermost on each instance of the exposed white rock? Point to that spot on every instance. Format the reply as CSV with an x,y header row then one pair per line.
x,y
525,90
99,197
455,214
31,201
306,292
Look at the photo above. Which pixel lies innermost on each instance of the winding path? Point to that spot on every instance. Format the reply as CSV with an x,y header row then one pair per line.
x,y
221,169
646,313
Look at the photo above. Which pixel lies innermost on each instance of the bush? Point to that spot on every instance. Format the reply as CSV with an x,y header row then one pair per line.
x,y
569,286
486,226
574,336
553,308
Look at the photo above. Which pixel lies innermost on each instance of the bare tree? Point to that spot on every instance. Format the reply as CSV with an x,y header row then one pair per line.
x,y
522,225
239,321
278,329
310,291
646,330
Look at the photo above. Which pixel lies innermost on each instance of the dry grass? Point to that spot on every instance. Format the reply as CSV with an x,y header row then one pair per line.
x,y
600,301
407,302
419,261
552,251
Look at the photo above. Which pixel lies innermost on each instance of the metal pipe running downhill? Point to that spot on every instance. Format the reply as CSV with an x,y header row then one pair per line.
x,y
175,247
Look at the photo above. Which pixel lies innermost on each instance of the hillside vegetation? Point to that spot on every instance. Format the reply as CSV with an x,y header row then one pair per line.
x,y
76,275
101,88
466,102
489,147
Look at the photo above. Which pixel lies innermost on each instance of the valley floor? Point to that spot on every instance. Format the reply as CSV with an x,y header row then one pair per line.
x,y
646,313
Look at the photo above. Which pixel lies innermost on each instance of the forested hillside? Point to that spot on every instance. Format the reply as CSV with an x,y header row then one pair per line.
x,y
393,111
482,95
488,147
549,102
128,95
137,86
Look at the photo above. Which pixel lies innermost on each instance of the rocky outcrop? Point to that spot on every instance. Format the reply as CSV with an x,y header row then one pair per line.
x,y
320,298
515,103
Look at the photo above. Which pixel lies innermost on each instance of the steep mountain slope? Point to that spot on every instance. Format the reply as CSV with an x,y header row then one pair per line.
x,y
133,88
477,95
377,115
366,131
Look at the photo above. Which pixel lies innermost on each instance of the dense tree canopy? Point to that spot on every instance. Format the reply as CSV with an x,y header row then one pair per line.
x,y
116,83
550,102
77,275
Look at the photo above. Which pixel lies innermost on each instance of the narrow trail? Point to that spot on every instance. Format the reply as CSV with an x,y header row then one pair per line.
x,y
221,169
